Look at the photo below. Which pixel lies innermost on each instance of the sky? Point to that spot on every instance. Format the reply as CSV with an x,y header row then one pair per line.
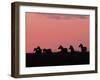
x,y
49,30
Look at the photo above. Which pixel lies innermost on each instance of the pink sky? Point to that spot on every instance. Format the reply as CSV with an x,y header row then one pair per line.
x,y
52,30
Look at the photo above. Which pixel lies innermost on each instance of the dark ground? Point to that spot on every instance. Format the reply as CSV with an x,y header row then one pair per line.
x,y
56,59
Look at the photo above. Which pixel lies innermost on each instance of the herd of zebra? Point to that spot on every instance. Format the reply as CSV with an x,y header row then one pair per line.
x,y
38,50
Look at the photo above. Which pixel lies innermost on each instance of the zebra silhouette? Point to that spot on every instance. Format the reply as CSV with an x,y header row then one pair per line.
x,y
83,49
71,49
47,51
38,50
63,50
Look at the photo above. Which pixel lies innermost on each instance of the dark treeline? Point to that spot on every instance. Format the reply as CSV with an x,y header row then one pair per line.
x,y
45,57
